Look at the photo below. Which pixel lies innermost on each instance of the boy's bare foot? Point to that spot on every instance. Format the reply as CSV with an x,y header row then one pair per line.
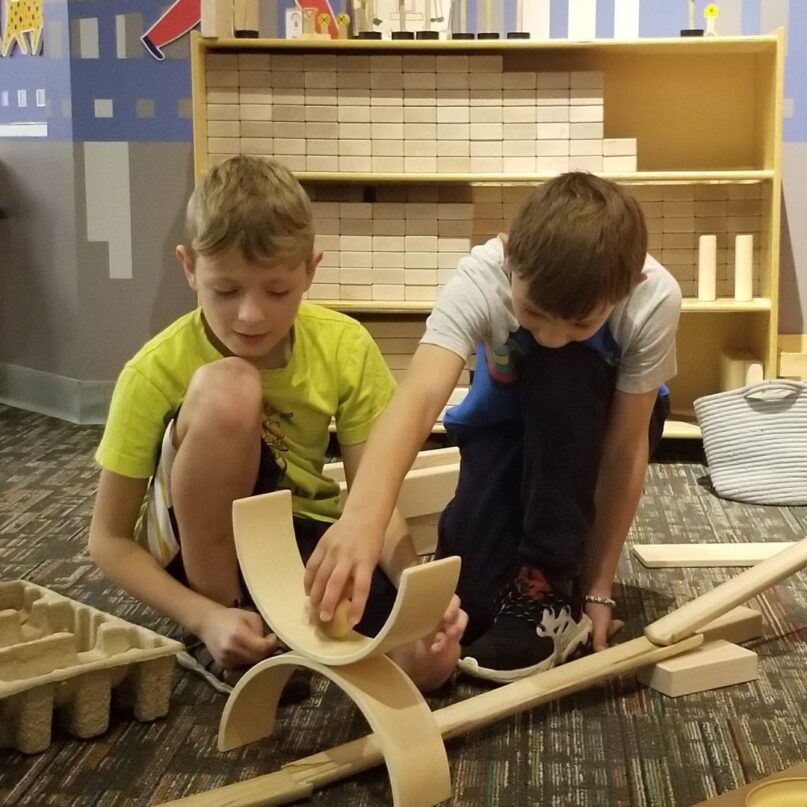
x,y
430,661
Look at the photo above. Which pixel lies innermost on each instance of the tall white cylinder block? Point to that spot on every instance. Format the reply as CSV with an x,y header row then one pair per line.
x,y
707,268
744,268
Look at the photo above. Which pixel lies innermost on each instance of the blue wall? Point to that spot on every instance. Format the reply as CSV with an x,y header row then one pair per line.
x,y
165,86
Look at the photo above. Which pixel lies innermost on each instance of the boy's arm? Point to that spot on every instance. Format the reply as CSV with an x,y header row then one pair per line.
x,y
350,550
398,550
131,566
233,636
619,486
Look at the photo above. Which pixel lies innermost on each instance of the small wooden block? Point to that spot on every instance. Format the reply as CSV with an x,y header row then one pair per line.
x,y
713,665
741,624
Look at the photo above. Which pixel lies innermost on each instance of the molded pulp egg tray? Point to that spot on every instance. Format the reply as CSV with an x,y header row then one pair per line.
x,y
59,656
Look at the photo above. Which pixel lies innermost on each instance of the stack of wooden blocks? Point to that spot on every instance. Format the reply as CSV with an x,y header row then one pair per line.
x,y
419,113
677,214
398,340
405,245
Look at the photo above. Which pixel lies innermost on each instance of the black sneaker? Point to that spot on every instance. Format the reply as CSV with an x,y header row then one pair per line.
x,y
535,629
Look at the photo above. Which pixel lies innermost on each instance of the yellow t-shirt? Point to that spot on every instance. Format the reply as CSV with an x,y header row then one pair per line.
x,y
335,371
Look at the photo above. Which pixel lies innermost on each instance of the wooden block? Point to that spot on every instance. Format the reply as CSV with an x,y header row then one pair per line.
x,y
555,131
383,243
586,131
421,277
586,114
351,260
355,292
485,64
486,165
420,260
741,624
223,111
323,291
713,665
420,165
550,97
327,274
390,292
387,131
619,164
452,148
552,114
660,556
426,294
388,260
585,98
388,226
400,328
581,163
420,148
553,81
739,368
486,131
619,147
355,164
387,276
518,165
356,243
217,18
355,277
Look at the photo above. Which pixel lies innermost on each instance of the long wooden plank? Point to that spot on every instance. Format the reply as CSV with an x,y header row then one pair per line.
x,y
686,620
340,762
664,556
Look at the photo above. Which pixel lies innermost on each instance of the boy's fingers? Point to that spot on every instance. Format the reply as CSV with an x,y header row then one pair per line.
x,y
332,595
312,567
320,581
361,590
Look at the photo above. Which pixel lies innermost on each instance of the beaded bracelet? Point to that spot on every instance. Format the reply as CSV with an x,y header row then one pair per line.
x,y
611,603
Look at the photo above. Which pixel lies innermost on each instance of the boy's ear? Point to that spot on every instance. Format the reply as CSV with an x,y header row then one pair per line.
x,y
311,268
186,262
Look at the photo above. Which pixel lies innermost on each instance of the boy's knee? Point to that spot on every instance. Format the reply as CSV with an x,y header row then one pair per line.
x,y
225,395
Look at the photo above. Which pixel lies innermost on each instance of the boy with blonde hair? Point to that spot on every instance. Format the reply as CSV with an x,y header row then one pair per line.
x,y
236,398
576,331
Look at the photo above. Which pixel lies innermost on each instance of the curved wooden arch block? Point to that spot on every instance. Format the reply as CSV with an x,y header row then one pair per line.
x,y
273,571
402,722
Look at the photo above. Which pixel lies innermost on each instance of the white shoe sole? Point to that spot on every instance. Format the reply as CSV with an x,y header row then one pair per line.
x,y
470,666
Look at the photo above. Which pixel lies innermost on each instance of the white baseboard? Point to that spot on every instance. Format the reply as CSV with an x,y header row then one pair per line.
x,y
82,402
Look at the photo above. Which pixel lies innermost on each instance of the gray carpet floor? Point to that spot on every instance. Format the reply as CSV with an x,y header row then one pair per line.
x,y
615,745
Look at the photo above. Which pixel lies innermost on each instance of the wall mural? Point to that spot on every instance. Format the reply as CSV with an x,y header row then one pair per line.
x,y
184,15
23,17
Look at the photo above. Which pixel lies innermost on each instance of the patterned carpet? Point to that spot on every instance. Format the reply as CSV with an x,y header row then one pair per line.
x,y
612,746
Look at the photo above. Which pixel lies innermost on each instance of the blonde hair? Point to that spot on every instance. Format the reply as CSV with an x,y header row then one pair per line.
x,y
253,204
578,241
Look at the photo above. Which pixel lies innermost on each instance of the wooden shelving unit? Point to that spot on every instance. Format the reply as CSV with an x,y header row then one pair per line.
x,y
706,115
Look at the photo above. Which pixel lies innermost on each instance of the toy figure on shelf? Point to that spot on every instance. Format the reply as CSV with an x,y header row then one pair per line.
x,y
710,13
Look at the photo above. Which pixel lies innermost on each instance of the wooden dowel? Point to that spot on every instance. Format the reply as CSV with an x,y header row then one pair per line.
x,y
298,779
686,620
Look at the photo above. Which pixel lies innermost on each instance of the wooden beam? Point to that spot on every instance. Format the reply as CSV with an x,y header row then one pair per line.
x,y
273,571
663,556
318,770
686,620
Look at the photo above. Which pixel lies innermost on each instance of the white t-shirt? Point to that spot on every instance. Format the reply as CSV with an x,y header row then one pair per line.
x,y
477,305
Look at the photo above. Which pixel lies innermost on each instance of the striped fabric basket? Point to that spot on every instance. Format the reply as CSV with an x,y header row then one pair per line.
x,y
755,439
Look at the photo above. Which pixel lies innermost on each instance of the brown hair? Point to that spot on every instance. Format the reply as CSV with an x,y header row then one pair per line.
x,y
579,242
254,204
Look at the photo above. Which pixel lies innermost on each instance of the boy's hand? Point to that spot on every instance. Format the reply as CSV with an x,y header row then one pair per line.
x,y
451,627
603,627
235,637
342,567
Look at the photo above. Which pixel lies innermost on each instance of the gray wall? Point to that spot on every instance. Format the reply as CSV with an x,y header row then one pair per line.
x,y
66,326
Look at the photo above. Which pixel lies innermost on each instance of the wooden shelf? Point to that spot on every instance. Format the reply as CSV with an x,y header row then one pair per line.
x,y
726,305
634,177
701,46
689,305
376,306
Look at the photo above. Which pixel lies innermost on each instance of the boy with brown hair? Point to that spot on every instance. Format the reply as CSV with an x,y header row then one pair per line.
x,y
576,331
236,398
